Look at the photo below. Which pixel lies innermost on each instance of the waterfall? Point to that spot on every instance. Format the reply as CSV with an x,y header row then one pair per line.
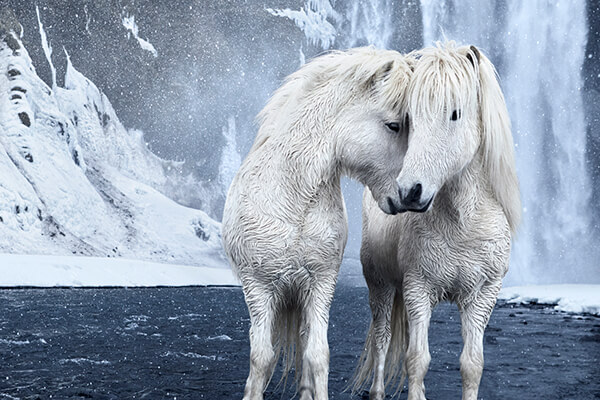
x,y
230,159
544,96
538,48
369,23
468,21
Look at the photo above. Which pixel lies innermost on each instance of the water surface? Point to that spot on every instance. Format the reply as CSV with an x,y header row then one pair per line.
x,y
192,343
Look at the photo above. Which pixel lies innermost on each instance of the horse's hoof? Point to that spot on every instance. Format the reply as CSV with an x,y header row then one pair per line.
x,y
376,396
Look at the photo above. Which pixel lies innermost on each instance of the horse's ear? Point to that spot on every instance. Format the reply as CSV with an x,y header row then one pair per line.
x,y
384,71
411,61
475,52
380,75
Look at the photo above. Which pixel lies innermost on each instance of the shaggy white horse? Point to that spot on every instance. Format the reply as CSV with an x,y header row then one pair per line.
x,y
284,224
458,178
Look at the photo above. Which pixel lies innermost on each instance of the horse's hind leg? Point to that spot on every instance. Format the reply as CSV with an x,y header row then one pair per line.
x,y
381,300
315,348
474,316
262,354
418,308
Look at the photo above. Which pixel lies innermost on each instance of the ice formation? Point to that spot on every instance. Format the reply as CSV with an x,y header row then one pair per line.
x,y
73,180
312,19
131,26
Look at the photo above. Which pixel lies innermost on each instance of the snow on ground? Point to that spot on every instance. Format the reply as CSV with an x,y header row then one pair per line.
x,y
569,298
72,271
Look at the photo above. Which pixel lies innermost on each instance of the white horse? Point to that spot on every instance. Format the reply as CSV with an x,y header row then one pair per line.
x,y
458,178
284,223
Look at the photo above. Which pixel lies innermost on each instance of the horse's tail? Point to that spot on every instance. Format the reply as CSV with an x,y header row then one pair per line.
x,y
394,361
286,337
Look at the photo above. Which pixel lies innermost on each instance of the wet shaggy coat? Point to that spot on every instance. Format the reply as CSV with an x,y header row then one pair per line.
x,y
460,153
284,223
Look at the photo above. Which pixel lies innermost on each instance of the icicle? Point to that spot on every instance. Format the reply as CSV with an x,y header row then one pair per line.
x,y
47,48
88,18
230,159
312,19
302,57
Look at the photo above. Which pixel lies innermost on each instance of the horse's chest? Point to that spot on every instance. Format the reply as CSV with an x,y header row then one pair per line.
x,y
322,234
454,262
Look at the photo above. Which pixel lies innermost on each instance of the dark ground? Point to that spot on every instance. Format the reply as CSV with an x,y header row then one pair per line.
x,y
191,343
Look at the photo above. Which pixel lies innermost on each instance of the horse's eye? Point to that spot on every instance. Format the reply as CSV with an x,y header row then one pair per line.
x,y
393,126
456,114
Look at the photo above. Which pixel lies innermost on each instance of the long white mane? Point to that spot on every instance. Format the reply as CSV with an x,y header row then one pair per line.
x,y
460,75
354,72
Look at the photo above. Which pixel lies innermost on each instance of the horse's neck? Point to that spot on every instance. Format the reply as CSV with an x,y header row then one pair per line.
x,y
306,164
467,191
304,153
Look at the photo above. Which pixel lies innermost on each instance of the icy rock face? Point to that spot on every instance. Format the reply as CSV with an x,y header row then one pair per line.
x,y
73,180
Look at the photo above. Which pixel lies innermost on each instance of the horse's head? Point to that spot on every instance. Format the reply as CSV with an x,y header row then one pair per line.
x,y
373,127
456,109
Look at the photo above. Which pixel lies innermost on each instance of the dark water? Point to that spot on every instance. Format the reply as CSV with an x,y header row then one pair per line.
x,y
191,343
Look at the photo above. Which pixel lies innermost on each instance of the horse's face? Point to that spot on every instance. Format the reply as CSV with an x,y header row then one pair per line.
x,y
374,131
444,119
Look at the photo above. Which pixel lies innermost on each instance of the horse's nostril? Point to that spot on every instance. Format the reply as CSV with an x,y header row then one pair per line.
x,y
418,189
414,195
391,206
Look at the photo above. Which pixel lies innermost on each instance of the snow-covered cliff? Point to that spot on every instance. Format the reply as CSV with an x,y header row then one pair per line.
x,y
73,180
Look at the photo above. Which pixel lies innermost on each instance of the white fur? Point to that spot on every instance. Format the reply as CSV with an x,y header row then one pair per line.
x,y
458,250
284,223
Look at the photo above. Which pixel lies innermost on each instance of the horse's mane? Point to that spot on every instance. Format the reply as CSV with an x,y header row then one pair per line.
x,y
454,74
357,69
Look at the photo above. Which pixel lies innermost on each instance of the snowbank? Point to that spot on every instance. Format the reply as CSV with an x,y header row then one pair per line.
x,y
569,298
74,180
72,271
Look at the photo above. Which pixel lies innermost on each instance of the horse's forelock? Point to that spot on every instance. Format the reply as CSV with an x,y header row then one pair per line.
x,y
390,91
444,79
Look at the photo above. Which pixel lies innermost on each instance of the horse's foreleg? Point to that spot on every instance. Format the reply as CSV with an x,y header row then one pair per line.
x,y
381,300
262,354
315,357
418,307
474,317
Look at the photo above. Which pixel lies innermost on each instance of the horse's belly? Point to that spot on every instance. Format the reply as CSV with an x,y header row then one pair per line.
x,y
267,249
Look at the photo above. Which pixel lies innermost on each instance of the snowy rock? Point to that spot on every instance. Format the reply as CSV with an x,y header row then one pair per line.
x,y
73,180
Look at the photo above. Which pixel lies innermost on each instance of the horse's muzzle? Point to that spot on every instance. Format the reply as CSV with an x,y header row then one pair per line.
x,y
417,207
412,200
392,208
